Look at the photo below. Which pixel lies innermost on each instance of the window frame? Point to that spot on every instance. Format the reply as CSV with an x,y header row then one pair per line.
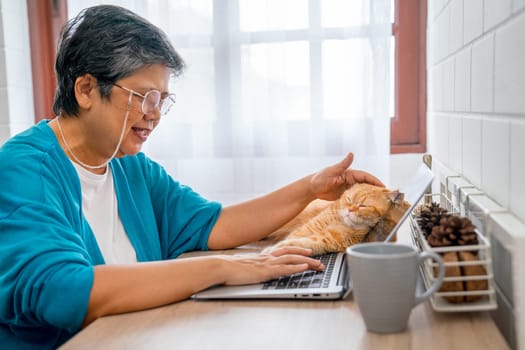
x,y
45,18
408,126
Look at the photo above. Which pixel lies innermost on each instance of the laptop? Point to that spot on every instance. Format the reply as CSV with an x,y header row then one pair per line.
x,y
334,281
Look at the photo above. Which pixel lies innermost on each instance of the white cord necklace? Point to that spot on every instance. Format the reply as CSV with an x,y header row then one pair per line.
x,y
78,161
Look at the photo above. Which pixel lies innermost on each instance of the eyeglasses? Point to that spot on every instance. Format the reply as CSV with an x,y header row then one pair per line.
x,y
152,100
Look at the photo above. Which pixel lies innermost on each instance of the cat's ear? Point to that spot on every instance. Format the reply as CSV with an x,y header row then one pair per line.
x,y
397,197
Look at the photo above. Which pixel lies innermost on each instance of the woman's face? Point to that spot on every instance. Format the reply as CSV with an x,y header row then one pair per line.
x,y
138,125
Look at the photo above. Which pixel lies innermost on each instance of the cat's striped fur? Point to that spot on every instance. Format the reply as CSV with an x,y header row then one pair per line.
x,y
363,213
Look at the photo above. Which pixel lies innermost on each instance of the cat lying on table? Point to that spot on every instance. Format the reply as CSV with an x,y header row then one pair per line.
x,y
363,213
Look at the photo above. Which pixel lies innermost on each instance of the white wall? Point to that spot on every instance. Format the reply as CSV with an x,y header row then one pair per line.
x,y
476,102
16,89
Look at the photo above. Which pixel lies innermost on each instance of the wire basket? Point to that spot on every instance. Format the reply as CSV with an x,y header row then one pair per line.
x,y
487,297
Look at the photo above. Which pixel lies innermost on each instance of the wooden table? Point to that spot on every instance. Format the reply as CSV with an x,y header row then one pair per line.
x,y
301,325
282,325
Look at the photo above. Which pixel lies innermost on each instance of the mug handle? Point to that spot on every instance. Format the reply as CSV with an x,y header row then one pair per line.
x,y
437,282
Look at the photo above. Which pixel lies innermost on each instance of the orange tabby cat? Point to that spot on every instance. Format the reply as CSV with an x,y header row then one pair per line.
x,y
363,213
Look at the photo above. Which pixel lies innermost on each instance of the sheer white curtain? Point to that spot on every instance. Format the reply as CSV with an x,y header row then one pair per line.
x,y
274,90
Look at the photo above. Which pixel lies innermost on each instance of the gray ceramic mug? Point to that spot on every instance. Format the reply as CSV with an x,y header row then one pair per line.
x,y
384,278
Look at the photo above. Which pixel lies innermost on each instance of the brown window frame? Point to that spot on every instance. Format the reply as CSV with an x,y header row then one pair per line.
x,y
45,18
408,125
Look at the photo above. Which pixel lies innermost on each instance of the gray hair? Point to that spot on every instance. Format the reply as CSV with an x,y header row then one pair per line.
x,y
110,43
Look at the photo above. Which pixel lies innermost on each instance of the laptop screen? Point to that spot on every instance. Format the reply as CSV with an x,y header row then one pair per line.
x,y
414,191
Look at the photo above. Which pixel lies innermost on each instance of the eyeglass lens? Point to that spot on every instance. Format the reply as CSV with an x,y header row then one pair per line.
x,y
152,100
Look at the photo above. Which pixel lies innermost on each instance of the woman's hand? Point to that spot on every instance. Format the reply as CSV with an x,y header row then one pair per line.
x,y
332,181
256,268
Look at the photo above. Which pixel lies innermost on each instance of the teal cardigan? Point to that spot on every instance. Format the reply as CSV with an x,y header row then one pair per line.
x,y
47,249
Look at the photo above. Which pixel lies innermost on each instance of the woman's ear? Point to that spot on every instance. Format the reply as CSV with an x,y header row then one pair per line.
x,y
86,89
397,197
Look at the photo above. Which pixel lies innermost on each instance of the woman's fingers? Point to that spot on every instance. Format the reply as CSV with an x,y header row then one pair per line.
x,y
263,267
313,264
294,253
285,270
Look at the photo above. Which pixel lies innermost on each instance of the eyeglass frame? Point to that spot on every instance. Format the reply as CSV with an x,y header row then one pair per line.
x,y
159,105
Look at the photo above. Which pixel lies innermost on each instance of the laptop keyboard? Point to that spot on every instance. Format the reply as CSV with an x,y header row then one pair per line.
x,y
306,279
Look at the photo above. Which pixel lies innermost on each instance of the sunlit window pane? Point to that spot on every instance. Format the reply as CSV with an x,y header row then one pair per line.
x,y
345,70
74,7
256,15
392,11
181,17
275,81
187,17
344,13
195,89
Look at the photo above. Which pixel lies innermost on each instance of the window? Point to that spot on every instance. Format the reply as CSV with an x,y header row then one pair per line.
x,y
408,133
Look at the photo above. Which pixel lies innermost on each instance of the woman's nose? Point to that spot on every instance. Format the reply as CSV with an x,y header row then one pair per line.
x,y
154,115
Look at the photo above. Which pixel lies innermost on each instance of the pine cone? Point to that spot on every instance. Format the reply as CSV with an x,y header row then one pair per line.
x,y
452,231
428,216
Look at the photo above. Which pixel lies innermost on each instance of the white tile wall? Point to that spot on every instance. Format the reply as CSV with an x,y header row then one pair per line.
x,y
444,33
482,74
517,168
441,37
509,67
448,85
472,20
437,77
455,134
456,25
495,167
436,7
477,91
462,81
440,139
471,149
488,111
495,11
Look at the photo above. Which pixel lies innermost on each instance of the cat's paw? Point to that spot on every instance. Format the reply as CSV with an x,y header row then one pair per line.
x,y
293,243
284,244
271,249
268,250
277,236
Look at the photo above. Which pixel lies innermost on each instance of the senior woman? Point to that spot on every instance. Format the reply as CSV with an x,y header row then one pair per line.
x,y
89,226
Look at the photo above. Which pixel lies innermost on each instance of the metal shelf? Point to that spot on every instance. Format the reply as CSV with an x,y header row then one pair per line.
x,y
437,300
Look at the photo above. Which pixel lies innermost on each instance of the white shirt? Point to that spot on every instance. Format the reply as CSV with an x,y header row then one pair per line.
x,y
100,208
